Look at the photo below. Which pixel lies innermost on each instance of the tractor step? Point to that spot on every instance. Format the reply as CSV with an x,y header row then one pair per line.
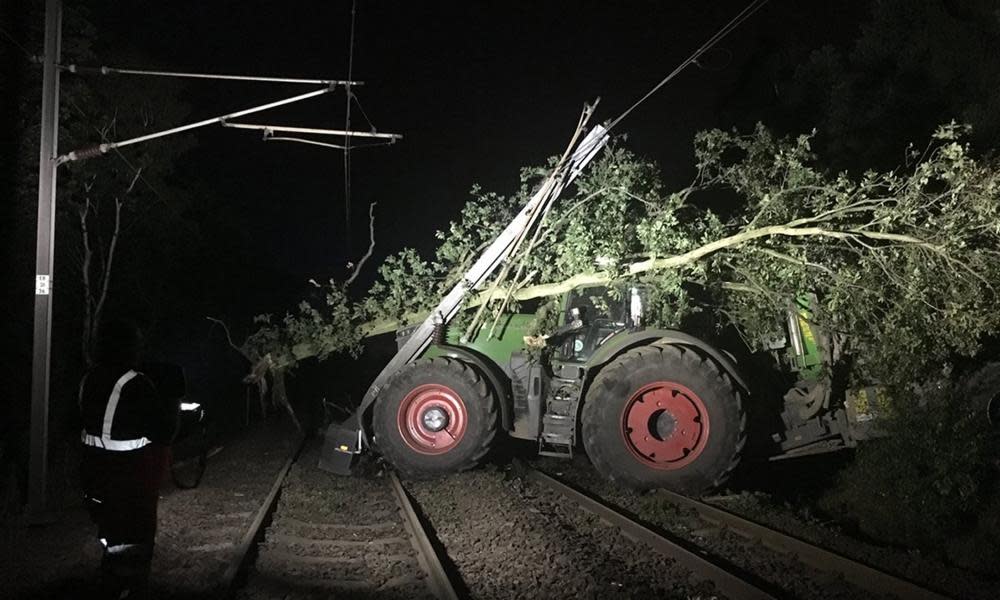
x,y
555,446
558,428
555,453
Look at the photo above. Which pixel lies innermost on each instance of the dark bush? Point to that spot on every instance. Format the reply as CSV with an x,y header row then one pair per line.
x,y
932,479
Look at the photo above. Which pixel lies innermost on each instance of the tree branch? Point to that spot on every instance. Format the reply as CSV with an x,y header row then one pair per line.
x,y
371,245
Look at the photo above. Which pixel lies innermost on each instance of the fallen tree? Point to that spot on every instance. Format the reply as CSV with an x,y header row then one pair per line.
x,y
904,264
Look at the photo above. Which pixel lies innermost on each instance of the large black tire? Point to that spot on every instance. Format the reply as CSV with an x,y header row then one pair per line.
x,y
436,383
696,385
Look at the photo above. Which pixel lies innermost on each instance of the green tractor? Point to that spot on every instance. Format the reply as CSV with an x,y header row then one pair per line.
x,y
653,407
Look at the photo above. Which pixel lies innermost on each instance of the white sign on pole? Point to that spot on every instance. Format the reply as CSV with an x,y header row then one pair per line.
x,y
43,285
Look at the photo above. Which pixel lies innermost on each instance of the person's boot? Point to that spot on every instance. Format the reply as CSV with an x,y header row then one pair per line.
x,y
125,571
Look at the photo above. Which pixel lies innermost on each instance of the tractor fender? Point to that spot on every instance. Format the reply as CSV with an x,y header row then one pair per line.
x,y
493,373
664,337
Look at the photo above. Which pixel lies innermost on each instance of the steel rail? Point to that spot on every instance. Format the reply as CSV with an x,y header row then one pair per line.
x,y
857,573
437,578
253,532
728,583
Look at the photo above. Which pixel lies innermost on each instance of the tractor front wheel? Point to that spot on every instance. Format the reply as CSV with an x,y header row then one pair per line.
x,y
662,416
434,417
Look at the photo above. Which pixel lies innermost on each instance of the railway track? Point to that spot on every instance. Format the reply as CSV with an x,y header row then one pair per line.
x,y
728,579
343,537
360,537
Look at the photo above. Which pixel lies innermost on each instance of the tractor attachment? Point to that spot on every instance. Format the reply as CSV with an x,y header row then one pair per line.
x,y
341,444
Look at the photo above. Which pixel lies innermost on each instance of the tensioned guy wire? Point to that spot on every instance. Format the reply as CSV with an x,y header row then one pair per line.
x,y
711,42
726,30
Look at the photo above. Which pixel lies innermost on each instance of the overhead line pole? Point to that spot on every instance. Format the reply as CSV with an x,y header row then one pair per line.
x,y
44,250
48,162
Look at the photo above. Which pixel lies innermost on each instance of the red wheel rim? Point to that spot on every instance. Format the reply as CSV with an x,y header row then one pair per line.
x,y
415,406
665,425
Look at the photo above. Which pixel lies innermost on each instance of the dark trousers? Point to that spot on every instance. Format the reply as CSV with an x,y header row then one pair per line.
x,y
122,490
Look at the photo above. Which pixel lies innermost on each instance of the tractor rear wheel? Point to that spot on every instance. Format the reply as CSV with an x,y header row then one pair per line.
x,y
662,416
435,417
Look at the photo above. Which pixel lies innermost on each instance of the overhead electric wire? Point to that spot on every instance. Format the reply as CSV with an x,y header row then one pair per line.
x,y
558,172
275,138
726,30
135,171
79,69
314,130
347,127
103,148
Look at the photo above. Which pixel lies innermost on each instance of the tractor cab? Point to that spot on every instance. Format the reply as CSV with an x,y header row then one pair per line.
x,y
593,315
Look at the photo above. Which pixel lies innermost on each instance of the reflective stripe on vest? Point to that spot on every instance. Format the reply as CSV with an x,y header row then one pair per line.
x,y
105,441
116,445
116,393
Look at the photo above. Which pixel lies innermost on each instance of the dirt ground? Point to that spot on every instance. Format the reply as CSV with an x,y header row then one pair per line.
x,y
196,537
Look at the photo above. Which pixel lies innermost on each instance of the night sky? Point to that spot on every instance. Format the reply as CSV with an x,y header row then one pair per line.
x,y
478,90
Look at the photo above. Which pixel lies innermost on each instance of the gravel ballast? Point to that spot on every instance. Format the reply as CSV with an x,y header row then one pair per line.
x,y
509,539
777,569
333,536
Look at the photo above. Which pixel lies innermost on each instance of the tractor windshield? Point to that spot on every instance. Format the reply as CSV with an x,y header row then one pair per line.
x,y
604,312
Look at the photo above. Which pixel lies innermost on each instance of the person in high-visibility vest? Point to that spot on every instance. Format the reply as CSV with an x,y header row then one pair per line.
x,y
127,429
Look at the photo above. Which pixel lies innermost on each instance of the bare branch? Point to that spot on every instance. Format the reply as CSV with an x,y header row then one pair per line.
x,y
371,245
138,173
229,338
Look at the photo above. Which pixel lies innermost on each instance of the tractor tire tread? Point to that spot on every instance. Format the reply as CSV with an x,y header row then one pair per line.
x,y
483,401
666,355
